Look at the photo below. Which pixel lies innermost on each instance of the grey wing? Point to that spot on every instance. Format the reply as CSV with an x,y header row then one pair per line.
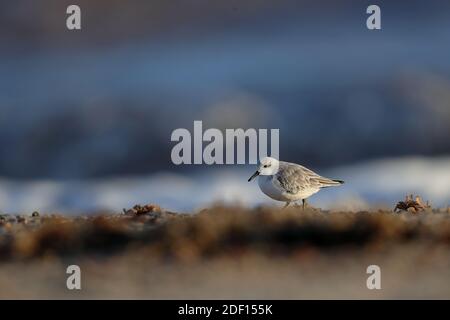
x,y
291,179
296,178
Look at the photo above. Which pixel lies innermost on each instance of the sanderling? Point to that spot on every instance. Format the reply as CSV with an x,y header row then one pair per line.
x,y
288,182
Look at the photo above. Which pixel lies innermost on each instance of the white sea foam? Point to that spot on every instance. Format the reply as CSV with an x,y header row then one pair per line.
x,y
381,182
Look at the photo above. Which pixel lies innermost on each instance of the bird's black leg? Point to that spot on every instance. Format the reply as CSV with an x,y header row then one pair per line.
x,y
304,203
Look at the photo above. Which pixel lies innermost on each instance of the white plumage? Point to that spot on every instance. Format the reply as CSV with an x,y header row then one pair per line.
x,y
288,182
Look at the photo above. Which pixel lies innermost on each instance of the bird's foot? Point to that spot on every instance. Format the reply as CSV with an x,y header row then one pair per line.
x,y
286,205
305,206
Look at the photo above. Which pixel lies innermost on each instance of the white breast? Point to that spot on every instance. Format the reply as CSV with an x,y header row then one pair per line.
x,y
272,190
269,189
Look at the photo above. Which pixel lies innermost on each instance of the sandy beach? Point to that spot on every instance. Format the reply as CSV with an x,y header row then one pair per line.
x,y
227,253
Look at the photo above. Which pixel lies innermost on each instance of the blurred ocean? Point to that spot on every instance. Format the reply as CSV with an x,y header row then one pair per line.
x,y
375,183
86,117
72,106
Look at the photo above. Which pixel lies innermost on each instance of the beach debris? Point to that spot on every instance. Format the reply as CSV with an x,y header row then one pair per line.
x,y
138,210
21,219
412,204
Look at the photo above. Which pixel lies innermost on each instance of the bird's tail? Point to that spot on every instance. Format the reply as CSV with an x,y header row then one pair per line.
x,y
330,183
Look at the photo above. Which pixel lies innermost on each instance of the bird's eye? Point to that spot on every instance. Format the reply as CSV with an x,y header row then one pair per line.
x,y
266,166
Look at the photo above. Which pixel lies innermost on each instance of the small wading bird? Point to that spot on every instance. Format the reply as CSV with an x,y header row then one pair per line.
x,y
288,182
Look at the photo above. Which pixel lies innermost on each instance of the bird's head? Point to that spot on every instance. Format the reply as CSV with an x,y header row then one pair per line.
x,y
267,167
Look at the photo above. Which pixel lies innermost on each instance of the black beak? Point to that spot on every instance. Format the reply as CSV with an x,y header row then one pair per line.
x,y
253,176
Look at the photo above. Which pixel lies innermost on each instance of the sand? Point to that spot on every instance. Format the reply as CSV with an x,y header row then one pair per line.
x,y
227,253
